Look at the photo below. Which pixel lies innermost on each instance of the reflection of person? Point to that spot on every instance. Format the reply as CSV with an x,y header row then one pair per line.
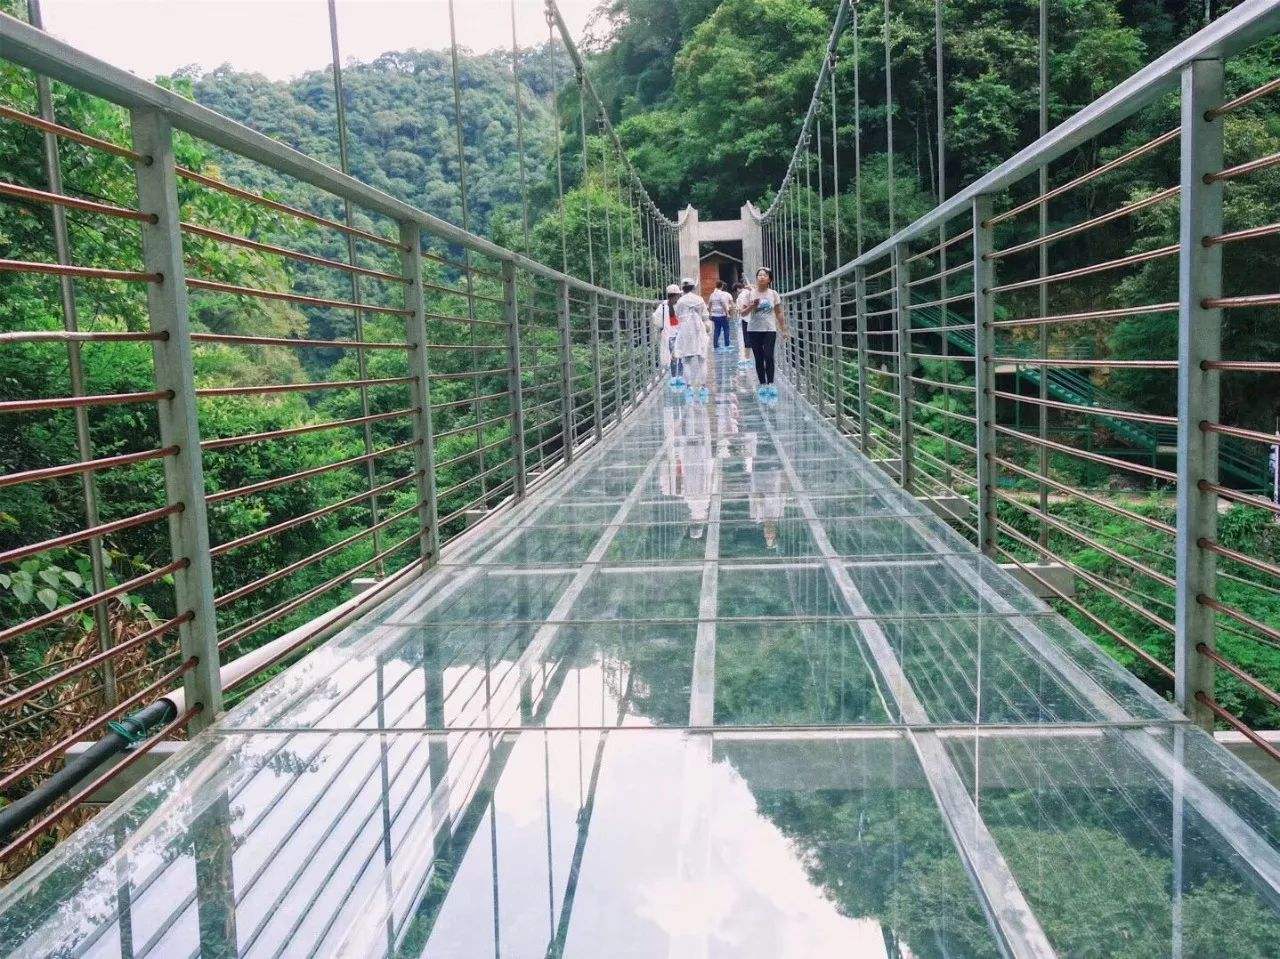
x,y
766,503
742,296
695,454
666,320
765,320
719,304
691,340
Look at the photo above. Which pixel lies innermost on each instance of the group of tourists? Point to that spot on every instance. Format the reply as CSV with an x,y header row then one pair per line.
x,y
692,328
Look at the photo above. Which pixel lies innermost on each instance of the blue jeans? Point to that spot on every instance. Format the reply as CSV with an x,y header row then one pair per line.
x,y
721,329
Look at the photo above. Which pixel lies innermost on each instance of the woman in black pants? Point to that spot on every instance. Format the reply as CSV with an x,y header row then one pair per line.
x,y
765,321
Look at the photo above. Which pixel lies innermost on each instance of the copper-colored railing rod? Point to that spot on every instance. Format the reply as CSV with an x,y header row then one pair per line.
x,y
468,400
78,272
60,747
1241,366
295,342
214,286
482,424
943,302
215,391
88,466
1079,607
1072,491
234,240
1118,213
1171,250
467,374
35,689
968,420
67,133
966,265
1261,565
1237,724
1090,315
269,484
1243,169
1084,178
73,801
957,357
942,386
71,402
1094,410
946,439
310,595
1243,100
53,616
78,336
215,184
1137,566
224,442
470,454
1086,364
1254,436
1236,496
1244,676
1088,455
1241,302
1253,233
469,320
277,528
226,599
102,529
1243,618
1094,581
938,246
73,202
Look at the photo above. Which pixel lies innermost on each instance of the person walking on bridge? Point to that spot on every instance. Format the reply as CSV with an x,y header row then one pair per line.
x,y
666,322
765,320
741,297
719,304
692,338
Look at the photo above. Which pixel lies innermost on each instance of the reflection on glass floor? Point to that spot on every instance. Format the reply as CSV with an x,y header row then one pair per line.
x,y
720,690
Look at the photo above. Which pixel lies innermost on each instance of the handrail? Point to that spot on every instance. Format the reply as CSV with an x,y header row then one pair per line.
x,y
1233,31
28,47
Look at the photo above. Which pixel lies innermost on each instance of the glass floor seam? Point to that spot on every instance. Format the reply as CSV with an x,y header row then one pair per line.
x,y
719,688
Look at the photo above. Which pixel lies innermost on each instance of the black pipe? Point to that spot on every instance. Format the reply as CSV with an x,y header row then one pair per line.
x,y
120,735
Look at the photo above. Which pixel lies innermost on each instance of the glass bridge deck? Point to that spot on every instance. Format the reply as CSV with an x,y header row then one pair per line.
x,y
720,690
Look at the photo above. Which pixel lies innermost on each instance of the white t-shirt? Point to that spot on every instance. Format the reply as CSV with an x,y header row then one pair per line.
x,y
719,303
762,319
744,297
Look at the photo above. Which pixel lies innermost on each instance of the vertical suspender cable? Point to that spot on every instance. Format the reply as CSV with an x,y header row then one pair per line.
x,y
940,108
586,174
558,143
1043,459
466,253
344,165
822,216
888,117
835,160
857,135
519,100
75,367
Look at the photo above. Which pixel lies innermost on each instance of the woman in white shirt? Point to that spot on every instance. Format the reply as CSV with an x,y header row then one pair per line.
x,y
692,340
664,319
765,320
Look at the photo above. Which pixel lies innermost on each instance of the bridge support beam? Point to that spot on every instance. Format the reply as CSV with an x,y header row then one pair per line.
x,y
1199,339
984,375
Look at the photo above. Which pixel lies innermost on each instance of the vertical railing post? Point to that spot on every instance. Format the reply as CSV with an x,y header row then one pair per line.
x,y
819,295
515,389
566,370
902,310
837,352
1199,339
984,380
179,423
617,315
415,328
860,308
597,379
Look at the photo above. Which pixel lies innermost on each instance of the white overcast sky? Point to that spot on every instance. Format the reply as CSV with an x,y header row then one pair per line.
x,y
283,38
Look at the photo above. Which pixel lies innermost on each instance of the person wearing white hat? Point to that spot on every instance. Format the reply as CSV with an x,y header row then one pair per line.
x,y
666,320
693,337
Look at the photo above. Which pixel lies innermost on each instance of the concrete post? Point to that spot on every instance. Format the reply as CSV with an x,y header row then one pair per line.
x,y
984,373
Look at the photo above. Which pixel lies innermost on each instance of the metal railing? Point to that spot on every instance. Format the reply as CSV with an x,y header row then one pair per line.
x,y
467,374
872,349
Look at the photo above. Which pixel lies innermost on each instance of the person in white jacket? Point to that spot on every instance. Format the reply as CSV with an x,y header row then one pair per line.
x,y
693,337
664,320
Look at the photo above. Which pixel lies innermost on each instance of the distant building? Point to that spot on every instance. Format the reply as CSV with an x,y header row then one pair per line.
x,y
715,266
